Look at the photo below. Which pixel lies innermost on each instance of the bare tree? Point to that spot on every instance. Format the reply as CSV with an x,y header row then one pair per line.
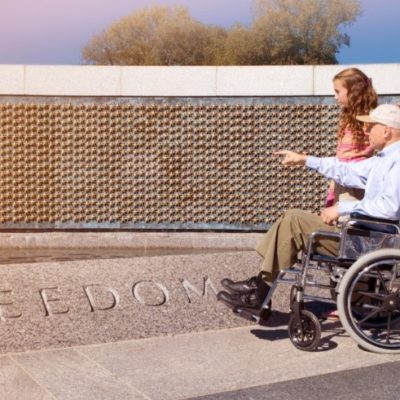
x,y
242,48
303,31
156,36
282,32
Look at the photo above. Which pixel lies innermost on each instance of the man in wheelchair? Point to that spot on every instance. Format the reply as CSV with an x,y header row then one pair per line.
x,y
379,176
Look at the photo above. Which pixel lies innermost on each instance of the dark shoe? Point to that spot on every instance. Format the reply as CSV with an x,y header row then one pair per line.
x,y
241,287
234,300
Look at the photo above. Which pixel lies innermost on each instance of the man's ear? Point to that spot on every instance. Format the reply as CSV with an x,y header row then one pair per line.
x,y
388,133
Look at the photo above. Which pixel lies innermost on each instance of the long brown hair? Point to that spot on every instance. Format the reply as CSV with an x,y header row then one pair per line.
x,y
361,97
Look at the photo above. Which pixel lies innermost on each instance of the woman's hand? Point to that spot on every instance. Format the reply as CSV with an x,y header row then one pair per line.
x,y
291,158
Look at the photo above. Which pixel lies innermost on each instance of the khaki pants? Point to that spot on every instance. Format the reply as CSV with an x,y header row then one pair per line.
x,y
289,235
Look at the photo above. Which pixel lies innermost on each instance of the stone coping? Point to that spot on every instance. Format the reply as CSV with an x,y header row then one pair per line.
x,y
277,80
130,240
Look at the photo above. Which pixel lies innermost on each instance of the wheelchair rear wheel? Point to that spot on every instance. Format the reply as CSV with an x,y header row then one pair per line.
x,y
369,301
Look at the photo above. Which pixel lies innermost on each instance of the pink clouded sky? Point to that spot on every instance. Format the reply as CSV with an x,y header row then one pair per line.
x,y
54,31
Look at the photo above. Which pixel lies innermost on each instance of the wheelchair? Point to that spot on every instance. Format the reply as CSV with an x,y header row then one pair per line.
x,y
363,280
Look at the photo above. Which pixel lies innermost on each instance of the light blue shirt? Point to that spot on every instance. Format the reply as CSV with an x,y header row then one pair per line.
x,y
379,176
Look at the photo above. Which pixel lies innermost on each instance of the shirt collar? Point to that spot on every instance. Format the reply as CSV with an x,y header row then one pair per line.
x,y
389,149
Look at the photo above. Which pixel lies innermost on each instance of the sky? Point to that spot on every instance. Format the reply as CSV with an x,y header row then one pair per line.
x,y
55,31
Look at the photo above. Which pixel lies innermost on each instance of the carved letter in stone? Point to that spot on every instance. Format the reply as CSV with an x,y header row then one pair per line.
x,y
4,316
144,293
47,300
189,288
98,289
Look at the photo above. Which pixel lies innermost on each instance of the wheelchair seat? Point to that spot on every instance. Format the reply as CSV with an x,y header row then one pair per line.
x,y
366,229
321,258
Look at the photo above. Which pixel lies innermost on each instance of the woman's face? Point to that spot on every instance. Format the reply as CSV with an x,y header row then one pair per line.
x,y
340,93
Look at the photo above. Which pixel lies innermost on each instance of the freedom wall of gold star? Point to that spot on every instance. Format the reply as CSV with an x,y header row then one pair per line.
x,y
183,164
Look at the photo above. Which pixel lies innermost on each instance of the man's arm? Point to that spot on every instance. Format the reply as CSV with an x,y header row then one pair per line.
x,y
347,174
344,173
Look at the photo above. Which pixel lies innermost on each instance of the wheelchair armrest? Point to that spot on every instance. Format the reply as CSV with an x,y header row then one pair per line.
x,y
364,217
365,222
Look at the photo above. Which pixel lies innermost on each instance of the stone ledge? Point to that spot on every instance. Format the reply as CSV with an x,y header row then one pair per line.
x,y
130,240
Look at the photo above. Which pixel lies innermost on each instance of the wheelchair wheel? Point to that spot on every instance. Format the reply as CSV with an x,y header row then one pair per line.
x,y
306,333
369,301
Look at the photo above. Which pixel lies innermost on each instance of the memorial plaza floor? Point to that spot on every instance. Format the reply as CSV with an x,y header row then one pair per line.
x,y
135,316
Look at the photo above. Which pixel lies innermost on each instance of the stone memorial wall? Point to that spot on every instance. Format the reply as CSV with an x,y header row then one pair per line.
x,y
170,148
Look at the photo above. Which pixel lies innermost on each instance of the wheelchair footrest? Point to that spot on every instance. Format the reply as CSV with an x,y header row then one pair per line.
x,y
252,314
247,314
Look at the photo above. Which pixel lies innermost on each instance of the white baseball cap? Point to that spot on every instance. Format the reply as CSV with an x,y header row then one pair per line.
x,y
385,114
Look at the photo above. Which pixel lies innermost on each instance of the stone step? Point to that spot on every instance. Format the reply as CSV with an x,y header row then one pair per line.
x,y
66,303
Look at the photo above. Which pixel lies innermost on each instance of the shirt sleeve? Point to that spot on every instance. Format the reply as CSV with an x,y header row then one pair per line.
x,y
386,203
347,206
347,174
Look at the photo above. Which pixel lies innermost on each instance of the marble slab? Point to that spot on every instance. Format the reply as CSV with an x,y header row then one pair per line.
x,y
68,375
16,384
207,363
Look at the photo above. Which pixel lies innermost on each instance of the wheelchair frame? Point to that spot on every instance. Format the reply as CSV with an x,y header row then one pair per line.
x,y
367,290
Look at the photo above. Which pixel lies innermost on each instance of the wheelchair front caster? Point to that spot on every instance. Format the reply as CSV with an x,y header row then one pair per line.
x,y
304,330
